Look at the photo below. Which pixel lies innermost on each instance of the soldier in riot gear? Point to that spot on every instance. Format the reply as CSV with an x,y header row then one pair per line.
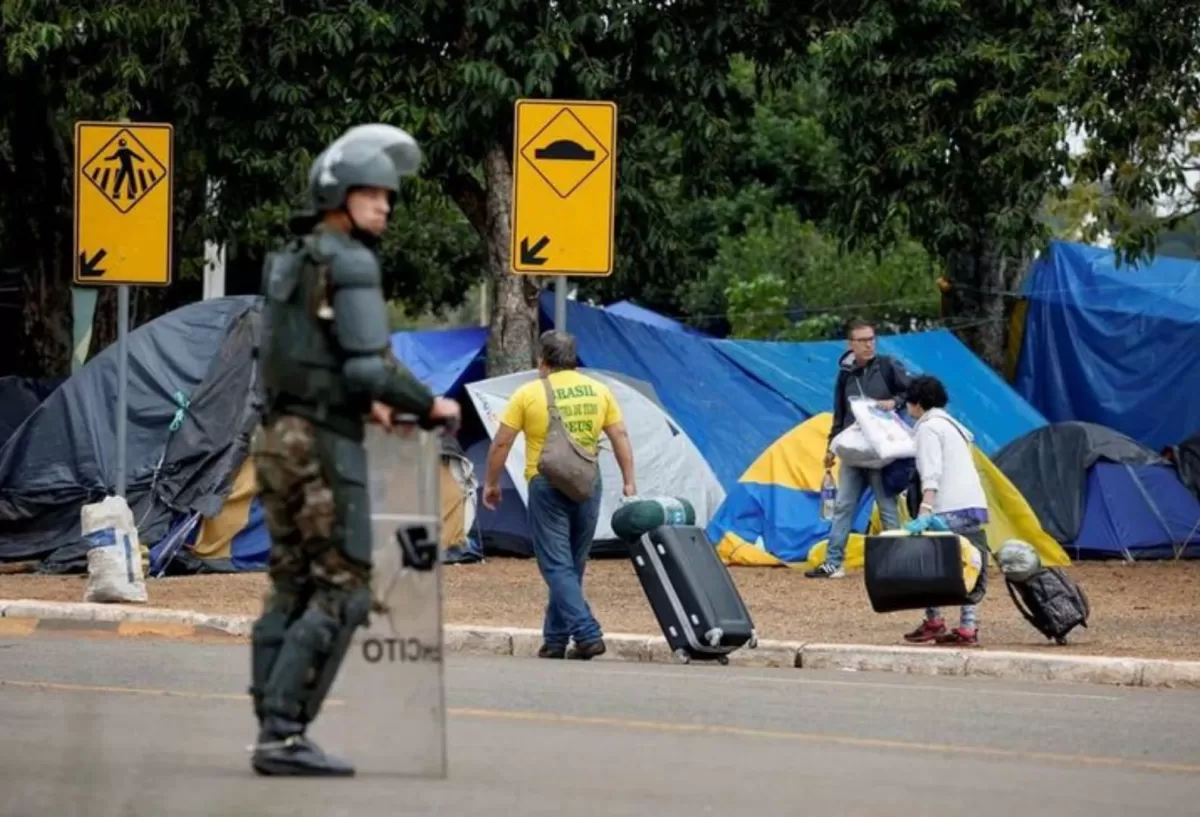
x,y
326,365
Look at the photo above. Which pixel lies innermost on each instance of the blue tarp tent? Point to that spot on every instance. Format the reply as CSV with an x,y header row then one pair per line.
x,y
444,359
773,516
707,383
630,310
729,415
734,399
1119,347
805,373
234,540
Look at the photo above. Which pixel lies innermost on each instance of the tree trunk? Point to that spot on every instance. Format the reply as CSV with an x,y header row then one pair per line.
x,y
514,298
978,302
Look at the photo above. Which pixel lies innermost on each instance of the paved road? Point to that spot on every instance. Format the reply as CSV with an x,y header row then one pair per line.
x,y
88,730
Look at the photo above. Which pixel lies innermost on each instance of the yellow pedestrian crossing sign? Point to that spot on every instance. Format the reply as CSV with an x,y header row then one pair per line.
x,y
124,203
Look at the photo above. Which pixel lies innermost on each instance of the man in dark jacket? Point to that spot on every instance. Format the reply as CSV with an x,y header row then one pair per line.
x,y
881,378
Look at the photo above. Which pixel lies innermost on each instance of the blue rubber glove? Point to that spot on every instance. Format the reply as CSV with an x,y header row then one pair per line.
x,y
924,523
918,525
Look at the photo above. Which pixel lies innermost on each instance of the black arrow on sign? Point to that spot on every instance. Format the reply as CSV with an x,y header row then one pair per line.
x,y
90,268
529,255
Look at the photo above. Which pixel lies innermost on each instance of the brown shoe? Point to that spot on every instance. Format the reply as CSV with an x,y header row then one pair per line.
x,y
547,651
587,650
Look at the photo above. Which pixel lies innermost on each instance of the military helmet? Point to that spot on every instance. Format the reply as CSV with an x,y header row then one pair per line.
x,y
373,155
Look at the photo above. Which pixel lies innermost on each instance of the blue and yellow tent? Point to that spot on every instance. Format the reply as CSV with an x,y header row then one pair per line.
x,y
772,517
236,539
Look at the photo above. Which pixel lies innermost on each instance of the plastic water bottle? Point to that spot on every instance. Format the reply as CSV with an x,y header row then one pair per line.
x,y
828,495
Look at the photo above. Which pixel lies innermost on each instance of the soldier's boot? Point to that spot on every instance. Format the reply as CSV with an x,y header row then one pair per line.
x,y
301,675
284,750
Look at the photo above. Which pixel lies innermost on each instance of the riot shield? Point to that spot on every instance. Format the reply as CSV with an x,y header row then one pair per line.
x,y
391,686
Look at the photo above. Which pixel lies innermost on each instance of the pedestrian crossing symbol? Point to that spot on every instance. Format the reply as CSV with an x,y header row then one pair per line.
x,y
124,203
124,170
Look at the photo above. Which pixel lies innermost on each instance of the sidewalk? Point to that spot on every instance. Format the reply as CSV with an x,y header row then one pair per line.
x,y
25,618
1146,610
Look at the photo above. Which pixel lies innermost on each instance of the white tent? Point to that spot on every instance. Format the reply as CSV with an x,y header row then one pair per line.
x,y
666,461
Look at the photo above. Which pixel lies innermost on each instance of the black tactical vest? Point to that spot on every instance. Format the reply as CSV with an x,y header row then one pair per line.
x,y
299,358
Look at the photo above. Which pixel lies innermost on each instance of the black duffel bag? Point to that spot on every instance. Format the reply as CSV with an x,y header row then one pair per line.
x,y
907,572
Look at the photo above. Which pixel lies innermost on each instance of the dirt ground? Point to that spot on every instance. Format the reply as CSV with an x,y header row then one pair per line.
x,y
1147,609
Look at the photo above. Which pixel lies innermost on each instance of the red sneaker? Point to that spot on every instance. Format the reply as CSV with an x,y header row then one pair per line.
x,y
959,637
930,630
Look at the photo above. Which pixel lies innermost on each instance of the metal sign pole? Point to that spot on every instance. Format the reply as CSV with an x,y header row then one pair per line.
x,y
122,383
124,230
560,303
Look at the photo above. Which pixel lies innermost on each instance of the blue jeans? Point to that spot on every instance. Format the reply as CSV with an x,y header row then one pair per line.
x,y
852,482
562,536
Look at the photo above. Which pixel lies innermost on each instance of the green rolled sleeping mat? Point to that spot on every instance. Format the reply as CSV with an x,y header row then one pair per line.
x,y
643,514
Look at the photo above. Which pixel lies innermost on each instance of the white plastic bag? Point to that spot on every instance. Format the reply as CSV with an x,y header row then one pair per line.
x,y
853,448
114,555
887,434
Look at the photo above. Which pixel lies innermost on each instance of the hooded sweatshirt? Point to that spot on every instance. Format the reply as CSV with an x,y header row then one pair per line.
x,y
946,465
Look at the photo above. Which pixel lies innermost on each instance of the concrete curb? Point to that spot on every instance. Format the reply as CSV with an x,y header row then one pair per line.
x,y
25,616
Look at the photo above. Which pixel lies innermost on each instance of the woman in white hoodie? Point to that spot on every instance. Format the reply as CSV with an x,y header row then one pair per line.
x,y
950,489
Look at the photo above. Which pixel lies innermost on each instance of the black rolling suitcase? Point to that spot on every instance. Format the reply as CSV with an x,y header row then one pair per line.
x,y
699,608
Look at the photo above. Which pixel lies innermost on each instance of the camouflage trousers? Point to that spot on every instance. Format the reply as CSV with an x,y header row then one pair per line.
x,y
311,511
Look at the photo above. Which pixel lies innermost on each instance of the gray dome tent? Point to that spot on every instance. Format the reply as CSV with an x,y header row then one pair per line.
x,y
193,402
1049,466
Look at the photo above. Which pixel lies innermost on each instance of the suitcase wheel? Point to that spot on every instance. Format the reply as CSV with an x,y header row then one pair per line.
x,y
723,660
681,655
752,644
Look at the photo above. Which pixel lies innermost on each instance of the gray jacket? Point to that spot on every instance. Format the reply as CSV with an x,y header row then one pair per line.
x,y
882,378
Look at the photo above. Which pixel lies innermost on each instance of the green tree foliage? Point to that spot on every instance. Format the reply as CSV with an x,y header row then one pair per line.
x,y
1085,213
1135,94
778,155
665,64
771,266
939,120
787,280
256,87
64,62
1072,214
953,116
451,71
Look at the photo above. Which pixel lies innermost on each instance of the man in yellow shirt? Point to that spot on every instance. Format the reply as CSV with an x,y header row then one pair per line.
x,y
562,528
